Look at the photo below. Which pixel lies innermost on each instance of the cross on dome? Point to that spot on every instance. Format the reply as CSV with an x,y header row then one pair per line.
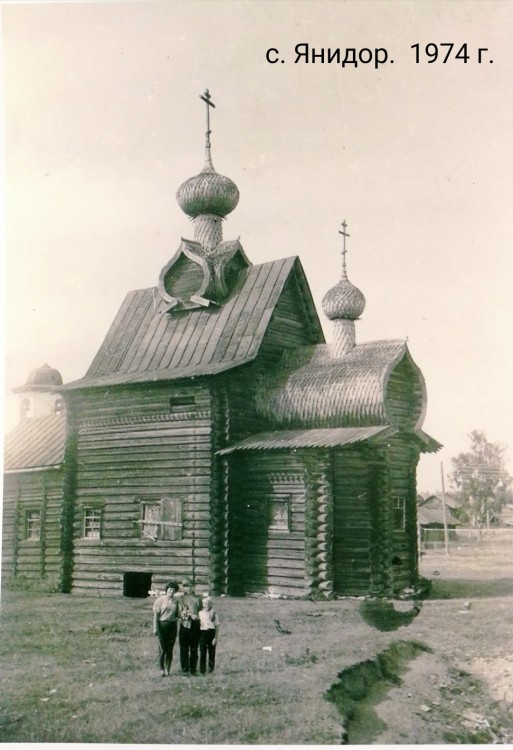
x,y
206,97
344,301
344,251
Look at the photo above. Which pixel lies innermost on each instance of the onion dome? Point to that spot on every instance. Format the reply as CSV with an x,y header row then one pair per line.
x,y
44,375
208,193
343,301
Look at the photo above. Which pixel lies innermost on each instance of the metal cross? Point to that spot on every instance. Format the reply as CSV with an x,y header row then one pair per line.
x,y
206,98
344,234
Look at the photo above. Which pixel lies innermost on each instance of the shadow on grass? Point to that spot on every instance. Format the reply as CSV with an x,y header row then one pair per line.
x,y
464,588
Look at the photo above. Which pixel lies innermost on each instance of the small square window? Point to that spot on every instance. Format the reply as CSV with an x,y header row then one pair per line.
x,y
92,523
399,514
162,520
33,524
279,512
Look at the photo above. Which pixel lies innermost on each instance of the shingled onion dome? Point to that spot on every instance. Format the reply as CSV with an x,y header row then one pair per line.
x,y
208,197
344,301
343,304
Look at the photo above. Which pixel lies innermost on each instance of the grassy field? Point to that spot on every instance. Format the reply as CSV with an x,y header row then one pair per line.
x,y
83,669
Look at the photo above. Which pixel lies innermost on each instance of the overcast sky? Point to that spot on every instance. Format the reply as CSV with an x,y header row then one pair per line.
x,y
103,123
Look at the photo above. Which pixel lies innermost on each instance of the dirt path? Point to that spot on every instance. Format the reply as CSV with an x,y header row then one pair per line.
x,y
447,675
439,703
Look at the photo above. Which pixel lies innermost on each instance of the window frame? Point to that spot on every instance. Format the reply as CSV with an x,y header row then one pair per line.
x,y
282,498
166,530
29,525
399,506
92,509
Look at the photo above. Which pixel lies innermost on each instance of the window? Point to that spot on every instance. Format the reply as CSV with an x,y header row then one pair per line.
x,y
279,512
399,513
92,523
33,524
24,409
181,404
150,518
162,520
58,407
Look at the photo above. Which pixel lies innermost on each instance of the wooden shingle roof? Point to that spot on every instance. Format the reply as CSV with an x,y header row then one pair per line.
x,y
313,389
145,344
36,443
325,437
319,438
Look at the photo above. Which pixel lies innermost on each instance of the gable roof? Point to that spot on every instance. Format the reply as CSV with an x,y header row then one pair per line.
x,y
146,344
427,516
36,443
313,389
429,500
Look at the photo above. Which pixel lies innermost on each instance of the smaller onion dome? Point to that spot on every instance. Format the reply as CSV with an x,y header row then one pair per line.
x,y
343,301
44,375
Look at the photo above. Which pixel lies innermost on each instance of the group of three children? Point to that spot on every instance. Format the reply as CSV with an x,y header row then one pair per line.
x,y
199,626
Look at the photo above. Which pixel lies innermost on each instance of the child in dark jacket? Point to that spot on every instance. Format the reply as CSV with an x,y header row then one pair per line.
x,y
190,605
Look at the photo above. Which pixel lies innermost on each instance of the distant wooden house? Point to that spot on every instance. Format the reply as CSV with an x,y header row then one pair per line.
x,y
431,520
216,435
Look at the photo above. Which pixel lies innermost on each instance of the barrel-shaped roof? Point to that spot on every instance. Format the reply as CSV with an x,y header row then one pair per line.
x,y
312,388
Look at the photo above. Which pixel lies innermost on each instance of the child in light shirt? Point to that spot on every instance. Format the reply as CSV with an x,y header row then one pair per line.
x,y
209,629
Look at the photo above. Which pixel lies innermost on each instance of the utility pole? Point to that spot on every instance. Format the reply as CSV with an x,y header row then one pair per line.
x,y
444,511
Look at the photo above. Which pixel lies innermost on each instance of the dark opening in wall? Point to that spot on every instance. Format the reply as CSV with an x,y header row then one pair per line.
x,y
397,560
136,585
180,404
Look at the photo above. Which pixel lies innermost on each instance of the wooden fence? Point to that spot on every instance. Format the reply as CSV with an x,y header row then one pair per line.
x,y
434,538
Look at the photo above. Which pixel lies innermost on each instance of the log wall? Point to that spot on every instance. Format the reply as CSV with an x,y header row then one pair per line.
x,y
352,498
33,558
262,559
403,456
132,448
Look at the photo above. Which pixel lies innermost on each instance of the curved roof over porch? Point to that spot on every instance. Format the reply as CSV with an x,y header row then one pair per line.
x,y
377,383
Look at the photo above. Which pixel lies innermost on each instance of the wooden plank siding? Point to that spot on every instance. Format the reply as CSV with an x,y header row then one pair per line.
x,y
41,558
404,394
133,448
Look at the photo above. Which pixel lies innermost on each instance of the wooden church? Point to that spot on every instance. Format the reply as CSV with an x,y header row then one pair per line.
x,y
216,435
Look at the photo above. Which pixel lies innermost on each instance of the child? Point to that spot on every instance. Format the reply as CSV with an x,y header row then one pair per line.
x,y
165,616
209,629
